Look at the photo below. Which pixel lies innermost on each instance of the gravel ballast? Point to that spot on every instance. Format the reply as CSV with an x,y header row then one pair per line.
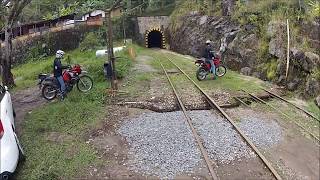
x,y
161,144
262,133
222,142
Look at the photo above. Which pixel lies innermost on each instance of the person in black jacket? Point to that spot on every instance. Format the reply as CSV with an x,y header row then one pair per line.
x,y
209,55
57,70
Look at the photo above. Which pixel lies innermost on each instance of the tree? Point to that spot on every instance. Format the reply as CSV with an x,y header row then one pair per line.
x,y
13,9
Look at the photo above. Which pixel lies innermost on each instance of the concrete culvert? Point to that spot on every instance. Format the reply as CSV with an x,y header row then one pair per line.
x,y
154,39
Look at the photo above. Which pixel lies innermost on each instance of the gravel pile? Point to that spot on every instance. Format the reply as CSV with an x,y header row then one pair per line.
x,y
161,144
263,134
222,142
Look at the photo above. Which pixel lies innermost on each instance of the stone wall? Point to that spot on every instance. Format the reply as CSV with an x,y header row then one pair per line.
x,y
146,23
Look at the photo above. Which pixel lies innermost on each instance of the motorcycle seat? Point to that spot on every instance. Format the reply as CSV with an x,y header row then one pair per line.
x,y
42,75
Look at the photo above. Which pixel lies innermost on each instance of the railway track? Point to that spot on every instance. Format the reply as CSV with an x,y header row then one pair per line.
x,y
290,103
293,120
213,105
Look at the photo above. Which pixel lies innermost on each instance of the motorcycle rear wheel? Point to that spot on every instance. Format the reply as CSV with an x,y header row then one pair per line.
x,y
49,92
201,74
221,70
85,83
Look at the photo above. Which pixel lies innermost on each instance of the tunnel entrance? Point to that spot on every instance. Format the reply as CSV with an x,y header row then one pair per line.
x,y
155,39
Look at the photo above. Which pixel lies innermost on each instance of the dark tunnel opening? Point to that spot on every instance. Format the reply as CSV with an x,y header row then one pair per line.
x,y
155,39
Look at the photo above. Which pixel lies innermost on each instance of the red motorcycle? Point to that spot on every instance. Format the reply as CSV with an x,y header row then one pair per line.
x,y
205,67
72,76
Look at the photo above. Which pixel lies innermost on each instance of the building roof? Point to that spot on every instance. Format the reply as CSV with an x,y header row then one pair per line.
x,y
70,16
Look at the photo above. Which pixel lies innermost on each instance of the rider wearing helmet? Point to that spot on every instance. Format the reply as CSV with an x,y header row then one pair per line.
x,y
57,70
209,55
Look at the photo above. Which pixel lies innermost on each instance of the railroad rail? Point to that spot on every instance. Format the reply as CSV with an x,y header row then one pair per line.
x,y
284,114
194,132
214,105
298,107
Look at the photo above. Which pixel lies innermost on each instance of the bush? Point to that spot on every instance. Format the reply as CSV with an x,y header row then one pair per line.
x,y
123,64
90,42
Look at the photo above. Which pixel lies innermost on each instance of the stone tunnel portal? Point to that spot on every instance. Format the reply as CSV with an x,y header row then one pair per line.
x,y
155,39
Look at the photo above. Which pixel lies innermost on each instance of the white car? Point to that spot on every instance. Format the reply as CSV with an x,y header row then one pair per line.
x,y
10,149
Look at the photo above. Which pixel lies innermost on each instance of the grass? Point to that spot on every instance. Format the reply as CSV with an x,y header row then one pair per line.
x,y
232,82
137,84
312,107
54,135
26,74
295,115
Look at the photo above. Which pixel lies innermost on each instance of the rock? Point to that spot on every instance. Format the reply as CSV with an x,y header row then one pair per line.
x,y
281,80
305,63
249,27
274,27
246,71
193,13
317,101
251,40
313,57
257,75
203,20
276,48
293,85
311,30
312,87
275,30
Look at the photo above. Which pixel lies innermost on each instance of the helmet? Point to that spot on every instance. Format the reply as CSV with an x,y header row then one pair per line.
x,y
59,54
208,42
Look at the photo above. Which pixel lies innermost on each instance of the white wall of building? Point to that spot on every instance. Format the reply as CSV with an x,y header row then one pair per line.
x,y
94,13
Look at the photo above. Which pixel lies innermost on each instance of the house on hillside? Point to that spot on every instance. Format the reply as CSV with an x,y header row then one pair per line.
x,y
38,26
96,14
97,17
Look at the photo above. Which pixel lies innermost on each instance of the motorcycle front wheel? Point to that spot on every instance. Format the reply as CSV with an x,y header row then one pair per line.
x,y
201,74
49,92
221,70
85,83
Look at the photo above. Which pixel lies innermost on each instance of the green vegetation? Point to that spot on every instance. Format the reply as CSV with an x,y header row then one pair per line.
x,y
54,136
90,42
179,12
296,115
270,68
26,74
232,82
316,73
312,107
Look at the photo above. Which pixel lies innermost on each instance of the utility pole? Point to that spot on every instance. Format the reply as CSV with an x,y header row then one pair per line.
x,y
124,29
111,58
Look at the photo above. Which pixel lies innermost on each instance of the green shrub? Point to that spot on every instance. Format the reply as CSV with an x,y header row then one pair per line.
x,y
316,73
314,8
123,64
271,69
90,42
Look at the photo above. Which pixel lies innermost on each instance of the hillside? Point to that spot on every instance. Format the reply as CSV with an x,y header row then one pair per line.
x,y
254,38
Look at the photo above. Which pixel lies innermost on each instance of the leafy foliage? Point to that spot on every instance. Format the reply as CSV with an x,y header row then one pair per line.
x,y
55,160
90,42
314,8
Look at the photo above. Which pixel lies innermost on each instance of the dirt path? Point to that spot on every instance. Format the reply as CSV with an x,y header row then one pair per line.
x,y
24,101
143,65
